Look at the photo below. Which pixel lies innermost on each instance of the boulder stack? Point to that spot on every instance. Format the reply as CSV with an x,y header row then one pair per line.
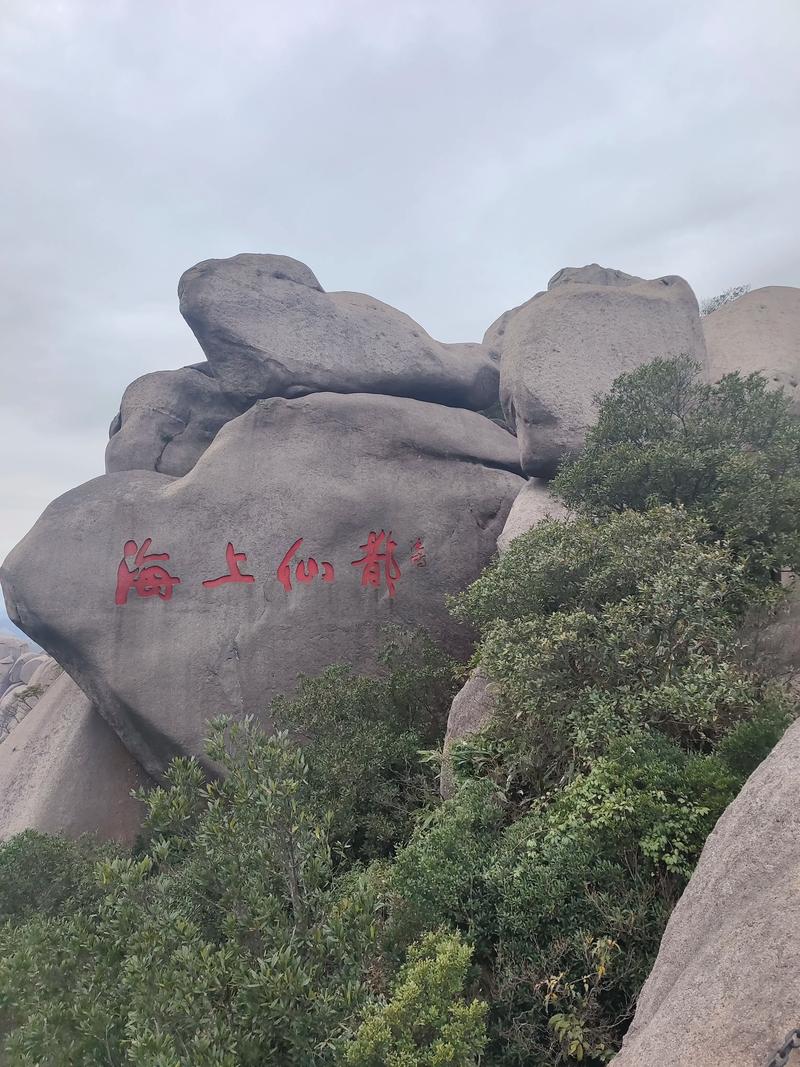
x,y
269,512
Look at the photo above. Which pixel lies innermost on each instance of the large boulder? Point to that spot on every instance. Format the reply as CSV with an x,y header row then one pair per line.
x,y
167,420
567,345
337,513
758,332
724,988
64,771
268,329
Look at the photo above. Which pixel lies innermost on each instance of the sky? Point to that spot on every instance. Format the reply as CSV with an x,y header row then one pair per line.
x,y
446,157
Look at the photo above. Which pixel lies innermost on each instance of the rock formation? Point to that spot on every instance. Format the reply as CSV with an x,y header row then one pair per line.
x,y
25,675
758,332
266,514
565,346
64,771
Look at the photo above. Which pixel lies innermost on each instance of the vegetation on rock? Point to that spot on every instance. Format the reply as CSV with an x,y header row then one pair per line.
x,y
317,905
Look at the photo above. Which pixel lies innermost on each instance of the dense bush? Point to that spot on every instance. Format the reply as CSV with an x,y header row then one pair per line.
x,y
729,451
365,737
43,875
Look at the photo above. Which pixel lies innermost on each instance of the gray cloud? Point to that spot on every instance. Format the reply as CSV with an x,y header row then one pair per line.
x,y
447,158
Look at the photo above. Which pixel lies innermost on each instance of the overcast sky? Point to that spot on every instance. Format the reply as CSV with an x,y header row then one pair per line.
x,y
447,157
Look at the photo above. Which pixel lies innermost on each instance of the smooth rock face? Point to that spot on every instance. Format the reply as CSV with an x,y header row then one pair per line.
x,y
166,421
64,771
725,986
534,503
565,346
268,329
758,332
331,469
472,709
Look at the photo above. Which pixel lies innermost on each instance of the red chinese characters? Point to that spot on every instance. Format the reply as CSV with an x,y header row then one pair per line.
x,y
139,571
144,573
418,555
378,556
303,572
233,559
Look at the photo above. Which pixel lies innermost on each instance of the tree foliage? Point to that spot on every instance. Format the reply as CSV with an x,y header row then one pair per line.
x,y
729,451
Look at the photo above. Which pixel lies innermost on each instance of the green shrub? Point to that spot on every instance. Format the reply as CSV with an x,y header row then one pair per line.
x,y
228,941
729,451
616,647
43,875
364,737
427,1022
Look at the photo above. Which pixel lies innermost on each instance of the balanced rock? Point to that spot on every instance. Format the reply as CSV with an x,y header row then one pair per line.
x,y
724,988
64,771
758,332
167,420
567,345
307,526
268,329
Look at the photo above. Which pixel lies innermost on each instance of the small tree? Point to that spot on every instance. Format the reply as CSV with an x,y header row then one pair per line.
x,y
707,307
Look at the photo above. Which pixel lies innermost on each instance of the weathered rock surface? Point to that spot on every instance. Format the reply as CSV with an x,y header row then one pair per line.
x,y
64,771
725,986
330,469
564,346
167,420
268,329
758,332
11,648
472,709
31,674
534,503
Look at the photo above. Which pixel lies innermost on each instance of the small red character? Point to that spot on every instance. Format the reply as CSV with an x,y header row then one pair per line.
x,y
233,559
303,572
138,571
378,549
418,556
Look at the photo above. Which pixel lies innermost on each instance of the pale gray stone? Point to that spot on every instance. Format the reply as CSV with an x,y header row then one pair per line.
x,y
724,988
63,771
45,674
564,347
472,709
30,666
268,329
167,420
328,468
15,675
534,503
758,332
